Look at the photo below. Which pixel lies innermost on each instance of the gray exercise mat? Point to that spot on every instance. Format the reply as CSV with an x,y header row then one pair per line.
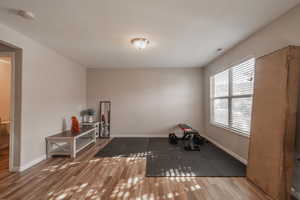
x,y
125,147
167,160
172,160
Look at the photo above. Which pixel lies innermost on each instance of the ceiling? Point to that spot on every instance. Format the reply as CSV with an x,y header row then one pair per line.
x,y
183,33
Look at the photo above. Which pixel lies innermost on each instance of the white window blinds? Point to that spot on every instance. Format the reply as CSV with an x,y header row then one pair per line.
x,y
221,84
231,97
242,78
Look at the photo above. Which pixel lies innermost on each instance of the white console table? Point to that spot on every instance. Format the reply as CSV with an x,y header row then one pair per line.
x,y
93,124
68,143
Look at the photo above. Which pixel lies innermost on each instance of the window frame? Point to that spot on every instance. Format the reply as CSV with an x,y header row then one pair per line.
x,y
230,97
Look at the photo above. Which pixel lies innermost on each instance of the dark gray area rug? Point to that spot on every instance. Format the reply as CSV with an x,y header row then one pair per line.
x,y
167,160
125,147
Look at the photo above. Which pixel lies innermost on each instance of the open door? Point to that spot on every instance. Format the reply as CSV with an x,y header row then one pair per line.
x,y
270,163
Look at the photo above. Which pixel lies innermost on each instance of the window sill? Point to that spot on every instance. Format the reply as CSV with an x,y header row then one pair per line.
x,y
230,130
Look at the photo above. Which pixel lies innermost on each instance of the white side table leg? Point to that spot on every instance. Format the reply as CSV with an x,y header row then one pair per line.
x,y
48,148
73,148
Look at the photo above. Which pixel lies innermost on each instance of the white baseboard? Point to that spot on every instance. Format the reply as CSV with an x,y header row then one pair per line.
x,y
14,169
238,157
38,160
31,163
244,161
145,135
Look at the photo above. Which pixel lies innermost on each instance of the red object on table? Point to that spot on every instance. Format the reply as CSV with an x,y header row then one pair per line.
x,y
184,127
75,125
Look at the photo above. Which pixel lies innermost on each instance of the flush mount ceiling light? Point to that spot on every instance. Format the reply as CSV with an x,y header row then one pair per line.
x,y
220,50
26,14
140,43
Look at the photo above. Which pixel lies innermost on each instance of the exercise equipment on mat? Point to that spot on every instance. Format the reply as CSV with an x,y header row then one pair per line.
x,y
173,138
190,137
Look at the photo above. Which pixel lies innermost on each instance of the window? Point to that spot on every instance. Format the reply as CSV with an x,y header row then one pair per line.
x,y
231,97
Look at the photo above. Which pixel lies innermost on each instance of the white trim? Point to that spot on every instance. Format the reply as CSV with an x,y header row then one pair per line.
x,y
31,163
40,159
139,135
238,157
14,169
244,161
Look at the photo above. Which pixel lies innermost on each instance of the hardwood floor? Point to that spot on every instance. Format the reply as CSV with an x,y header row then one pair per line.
x,y
4,161
87,177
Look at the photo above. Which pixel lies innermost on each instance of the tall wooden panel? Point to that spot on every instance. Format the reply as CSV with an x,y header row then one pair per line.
x,y
273,124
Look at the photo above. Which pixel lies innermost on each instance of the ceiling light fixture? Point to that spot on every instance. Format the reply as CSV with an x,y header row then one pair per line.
x,y
140,43
220,50
26,14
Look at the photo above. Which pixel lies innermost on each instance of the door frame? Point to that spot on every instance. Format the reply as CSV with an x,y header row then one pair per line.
x,y
12,167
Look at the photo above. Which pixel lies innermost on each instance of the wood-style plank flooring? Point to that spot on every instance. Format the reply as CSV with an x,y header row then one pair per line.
x,y
4,161
87,177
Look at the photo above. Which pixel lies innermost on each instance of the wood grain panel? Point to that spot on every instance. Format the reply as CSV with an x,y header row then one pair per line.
x,y
273,122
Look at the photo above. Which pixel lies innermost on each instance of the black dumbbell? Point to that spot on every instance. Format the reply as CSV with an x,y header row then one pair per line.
x,y
173,138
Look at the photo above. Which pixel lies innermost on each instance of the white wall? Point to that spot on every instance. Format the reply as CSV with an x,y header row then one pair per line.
x,y
53,89
281,33
148,102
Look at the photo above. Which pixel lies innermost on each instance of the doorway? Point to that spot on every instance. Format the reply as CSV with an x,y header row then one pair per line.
x,y
5,110
10,107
